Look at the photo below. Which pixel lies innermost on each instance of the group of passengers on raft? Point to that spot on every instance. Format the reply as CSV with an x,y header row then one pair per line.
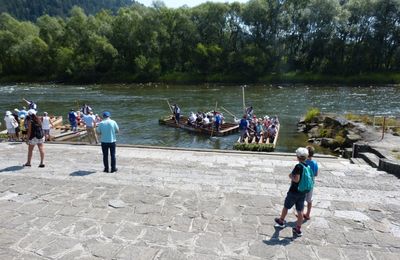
x,y
200,119
254,128
250,126
85,117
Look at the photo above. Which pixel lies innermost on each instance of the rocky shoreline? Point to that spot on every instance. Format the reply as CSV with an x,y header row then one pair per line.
x,y
332,131
338,133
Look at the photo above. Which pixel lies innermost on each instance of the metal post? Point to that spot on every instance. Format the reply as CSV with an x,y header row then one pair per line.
x,y
383,127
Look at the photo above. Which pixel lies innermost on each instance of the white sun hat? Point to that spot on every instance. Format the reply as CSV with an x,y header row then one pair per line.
x,y
302,152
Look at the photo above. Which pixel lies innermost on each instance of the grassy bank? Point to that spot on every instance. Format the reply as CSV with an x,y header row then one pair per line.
x,y
193,78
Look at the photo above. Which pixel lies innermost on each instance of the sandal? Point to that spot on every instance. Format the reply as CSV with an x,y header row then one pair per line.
x,y
306,218
26,165
41,165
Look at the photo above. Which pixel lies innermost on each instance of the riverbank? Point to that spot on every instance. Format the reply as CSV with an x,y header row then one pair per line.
x,y
191,78
184,204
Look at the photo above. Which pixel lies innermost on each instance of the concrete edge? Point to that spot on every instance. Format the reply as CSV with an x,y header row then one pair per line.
x,y
198,150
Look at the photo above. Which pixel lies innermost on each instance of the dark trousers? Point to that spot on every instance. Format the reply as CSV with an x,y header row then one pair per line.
x,y
105,147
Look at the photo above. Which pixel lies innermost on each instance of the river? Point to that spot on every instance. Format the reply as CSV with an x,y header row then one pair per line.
x,y
137,108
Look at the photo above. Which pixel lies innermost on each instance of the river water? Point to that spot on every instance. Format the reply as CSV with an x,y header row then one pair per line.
x,y
137,108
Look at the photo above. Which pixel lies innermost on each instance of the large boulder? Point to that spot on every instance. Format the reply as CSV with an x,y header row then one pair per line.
x,y
331,121
351,139
314,132
329,143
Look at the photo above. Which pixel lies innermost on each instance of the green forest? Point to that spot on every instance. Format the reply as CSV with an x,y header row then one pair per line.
x,y
32,9
258,41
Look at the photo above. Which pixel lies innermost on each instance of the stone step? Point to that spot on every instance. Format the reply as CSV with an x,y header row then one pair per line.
x,y
347,153
370,158
358,161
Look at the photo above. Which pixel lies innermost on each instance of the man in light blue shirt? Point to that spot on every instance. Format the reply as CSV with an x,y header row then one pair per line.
x,y
108,129
90,124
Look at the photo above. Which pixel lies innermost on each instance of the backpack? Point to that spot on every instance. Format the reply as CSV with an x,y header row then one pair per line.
x,y
306,183
37,130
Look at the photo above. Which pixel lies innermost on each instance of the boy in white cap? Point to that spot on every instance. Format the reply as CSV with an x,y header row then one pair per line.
x,y
294,196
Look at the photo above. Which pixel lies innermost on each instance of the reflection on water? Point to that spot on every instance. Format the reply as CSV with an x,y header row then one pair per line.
x,y
137,108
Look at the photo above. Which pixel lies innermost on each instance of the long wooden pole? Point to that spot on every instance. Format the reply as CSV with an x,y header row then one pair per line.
x,y
244,104
170,108
383,127
169,105
212,124
227,111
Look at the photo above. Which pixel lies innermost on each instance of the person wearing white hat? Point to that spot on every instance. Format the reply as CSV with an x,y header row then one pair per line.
x,y
295,197
46,125
11,124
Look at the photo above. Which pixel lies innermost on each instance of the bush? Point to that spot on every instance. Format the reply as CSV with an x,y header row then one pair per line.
x,y
253,147
340,140
311,114
324,132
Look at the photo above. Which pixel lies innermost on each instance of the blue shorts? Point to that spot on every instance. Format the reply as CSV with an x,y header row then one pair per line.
x,y
297,199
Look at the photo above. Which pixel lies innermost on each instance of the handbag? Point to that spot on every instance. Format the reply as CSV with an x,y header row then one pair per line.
x,y
15,123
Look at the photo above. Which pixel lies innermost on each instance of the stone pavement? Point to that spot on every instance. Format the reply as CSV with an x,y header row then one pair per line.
x,y
177,204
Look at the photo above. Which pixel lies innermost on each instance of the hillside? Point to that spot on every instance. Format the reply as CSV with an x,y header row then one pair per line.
x,y
32,9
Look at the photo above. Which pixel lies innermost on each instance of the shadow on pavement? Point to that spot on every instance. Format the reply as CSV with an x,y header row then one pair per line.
x,y
12,168
275,241
284,241
81,173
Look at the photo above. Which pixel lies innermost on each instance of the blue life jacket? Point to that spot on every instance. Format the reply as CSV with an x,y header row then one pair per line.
x,y
218,119
243,124
71,116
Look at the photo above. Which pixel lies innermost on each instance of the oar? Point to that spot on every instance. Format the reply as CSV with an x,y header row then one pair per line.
x,y
227,111
212,126
170,108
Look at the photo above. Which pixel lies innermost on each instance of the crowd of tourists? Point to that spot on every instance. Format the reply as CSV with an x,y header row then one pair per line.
x,y
252,127
26,125
17,121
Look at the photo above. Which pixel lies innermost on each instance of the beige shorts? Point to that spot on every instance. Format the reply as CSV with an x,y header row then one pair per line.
x,y
309,196
35,141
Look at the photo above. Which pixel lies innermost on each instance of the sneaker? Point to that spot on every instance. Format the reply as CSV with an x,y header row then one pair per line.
x,y
105,170
280,223
114,170
297,232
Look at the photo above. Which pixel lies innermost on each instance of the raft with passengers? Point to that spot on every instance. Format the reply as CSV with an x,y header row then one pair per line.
x,y
208,123
258,134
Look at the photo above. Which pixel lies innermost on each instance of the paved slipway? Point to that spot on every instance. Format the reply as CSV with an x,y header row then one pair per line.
x,y
183,204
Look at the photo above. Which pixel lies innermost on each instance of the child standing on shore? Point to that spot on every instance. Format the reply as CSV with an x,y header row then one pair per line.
x,y
314,168
294,196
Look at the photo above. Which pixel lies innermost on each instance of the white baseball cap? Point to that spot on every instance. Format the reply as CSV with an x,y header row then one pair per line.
x,y
8,113
302,152
31,112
